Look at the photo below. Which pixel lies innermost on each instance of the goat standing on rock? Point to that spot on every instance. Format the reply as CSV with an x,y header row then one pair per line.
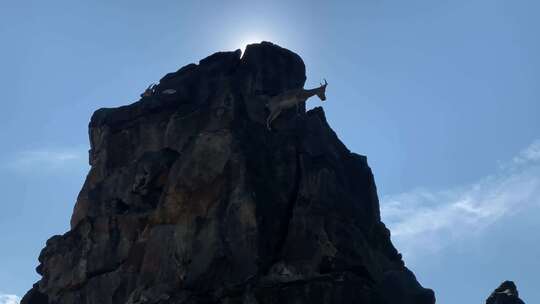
x,y
291,98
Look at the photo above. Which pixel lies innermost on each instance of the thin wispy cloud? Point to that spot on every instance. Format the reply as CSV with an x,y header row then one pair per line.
x,y
9,299
530,154
47,158
423,220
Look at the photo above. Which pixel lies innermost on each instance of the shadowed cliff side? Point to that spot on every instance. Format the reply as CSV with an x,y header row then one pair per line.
x,y
506,293
190,199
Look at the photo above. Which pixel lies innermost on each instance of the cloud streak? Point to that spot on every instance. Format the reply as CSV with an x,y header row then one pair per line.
x,y
47,158
530,154
9,299
423,220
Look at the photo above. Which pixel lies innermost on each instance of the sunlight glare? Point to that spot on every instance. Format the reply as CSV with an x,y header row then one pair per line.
x,y
249,40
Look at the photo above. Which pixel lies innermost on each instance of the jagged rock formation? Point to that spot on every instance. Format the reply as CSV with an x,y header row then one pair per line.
x,y
190,199
506,293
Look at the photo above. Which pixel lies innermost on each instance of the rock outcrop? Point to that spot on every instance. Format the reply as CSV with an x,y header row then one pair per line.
x,y
506,293
190,199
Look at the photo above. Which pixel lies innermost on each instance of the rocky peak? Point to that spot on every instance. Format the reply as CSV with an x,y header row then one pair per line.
x,y
506,293
190,199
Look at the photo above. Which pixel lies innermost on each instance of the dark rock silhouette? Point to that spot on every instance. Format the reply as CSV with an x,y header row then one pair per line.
x,y
190,199
506,293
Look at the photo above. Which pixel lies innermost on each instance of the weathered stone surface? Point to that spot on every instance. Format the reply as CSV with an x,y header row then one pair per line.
x,y
506,293
190,199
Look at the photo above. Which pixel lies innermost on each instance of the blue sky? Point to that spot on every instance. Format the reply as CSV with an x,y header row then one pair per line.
x,y
442,96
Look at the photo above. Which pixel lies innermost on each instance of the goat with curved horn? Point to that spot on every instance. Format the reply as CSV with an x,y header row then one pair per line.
x,y
291,98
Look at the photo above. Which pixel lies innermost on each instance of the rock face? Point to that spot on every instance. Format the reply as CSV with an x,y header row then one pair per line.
x,y
506,293
190,199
